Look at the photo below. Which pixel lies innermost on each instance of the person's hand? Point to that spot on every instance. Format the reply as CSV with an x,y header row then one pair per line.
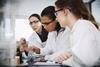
x,y
22,41
34,49
62,56
23,47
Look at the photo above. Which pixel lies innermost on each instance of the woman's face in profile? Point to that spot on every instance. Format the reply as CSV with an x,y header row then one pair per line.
x,y
48,23
35,24
60,16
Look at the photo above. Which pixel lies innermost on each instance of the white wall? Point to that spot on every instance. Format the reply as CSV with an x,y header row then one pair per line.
x,y
17,9
96,10
27,7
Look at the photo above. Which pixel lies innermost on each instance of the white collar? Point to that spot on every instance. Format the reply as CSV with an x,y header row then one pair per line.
x,y
75,25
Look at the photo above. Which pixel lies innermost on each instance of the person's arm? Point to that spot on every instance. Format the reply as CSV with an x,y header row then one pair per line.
x,y
26,48
84,46
36,49
48,49
34,43
23,46
85,43
61,56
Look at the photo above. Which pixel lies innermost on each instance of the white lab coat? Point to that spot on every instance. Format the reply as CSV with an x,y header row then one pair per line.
x,y
85,44
56,44
35,40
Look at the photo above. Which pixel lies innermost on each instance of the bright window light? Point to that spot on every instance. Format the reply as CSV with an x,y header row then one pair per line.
x,y
22,29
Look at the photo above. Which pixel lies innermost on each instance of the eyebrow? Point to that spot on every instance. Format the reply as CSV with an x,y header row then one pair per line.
x,y
47,23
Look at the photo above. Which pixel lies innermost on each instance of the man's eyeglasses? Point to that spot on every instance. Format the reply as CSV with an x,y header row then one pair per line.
x,y
47,23
56,12
36,21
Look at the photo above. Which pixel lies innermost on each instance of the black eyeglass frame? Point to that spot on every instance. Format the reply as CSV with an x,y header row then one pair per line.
x,y
36,21
57,11
48,23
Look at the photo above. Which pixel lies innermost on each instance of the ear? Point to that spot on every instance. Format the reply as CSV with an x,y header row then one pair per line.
x,y
66,11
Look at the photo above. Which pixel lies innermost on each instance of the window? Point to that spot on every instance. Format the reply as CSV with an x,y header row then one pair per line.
x,y
22,29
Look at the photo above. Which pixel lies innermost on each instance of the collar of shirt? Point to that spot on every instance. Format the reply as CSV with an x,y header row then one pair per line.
x,y
75,25
61,30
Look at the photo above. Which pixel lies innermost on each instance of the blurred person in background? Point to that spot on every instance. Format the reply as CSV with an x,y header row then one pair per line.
x,y
38,37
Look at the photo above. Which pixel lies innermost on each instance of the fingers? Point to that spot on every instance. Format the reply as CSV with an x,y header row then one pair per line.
x,y
62,57
21,49
30,48
36,50
22,41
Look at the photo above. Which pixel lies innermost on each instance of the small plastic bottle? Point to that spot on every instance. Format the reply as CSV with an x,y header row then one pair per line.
x,y
18,56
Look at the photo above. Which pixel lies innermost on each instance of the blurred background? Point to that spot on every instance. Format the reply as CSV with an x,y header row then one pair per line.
x,y
14,22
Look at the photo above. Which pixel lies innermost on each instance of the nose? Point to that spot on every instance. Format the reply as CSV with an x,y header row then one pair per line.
x,y
33,25
56,18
